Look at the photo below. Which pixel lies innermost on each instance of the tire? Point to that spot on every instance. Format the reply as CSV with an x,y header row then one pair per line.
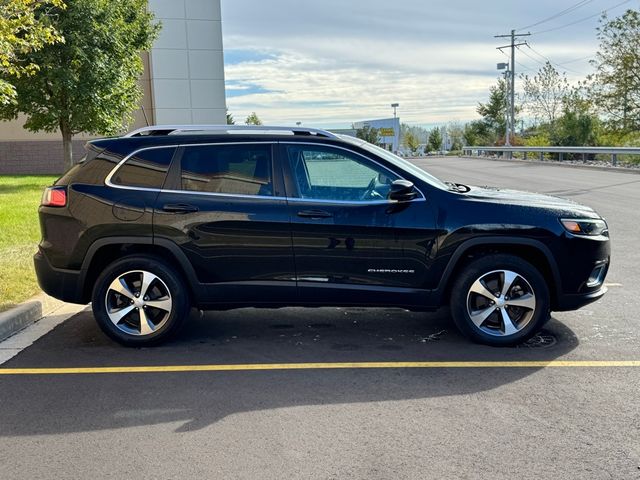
x,y
162,300
517,312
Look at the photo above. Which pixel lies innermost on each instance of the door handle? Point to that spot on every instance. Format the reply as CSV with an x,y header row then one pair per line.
x,y
314,214
179,208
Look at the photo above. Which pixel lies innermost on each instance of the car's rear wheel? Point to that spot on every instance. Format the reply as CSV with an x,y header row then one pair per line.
x,y
140,301
500,300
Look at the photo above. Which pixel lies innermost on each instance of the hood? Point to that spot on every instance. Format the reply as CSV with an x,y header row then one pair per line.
x,y
530,199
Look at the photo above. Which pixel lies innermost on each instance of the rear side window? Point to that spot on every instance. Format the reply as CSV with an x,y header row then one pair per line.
x,y
233,169
147,168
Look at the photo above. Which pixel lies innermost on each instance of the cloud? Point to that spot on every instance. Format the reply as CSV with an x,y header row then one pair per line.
x,y
334,62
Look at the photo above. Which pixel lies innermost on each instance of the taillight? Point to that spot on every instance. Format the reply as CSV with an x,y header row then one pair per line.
x,y
54,197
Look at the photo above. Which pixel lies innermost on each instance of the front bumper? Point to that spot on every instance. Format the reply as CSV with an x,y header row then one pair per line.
x,y
65,285
575,301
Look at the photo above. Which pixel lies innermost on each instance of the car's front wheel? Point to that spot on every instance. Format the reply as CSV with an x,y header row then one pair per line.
x,y
500,300
140,301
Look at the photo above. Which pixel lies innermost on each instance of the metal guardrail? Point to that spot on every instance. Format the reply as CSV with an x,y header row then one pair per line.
x,y
560,151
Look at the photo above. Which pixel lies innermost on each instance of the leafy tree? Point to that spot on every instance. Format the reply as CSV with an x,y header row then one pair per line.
x,y
25,27
476,133
411,141
253,119
417,131
89,83
494,111
578,125
230,119
456,134
545,92
434,143
368,134
616,82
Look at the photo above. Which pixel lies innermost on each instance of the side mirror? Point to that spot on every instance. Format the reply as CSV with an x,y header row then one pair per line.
x,y
402,191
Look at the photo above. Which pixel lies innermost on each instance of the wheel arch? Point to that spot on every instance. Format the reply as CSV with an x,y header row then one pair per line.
x,y
105,250
531,250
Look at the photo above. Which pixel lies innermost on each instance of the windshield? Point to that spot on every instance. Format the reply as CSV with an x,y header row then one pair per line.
x,y
399,162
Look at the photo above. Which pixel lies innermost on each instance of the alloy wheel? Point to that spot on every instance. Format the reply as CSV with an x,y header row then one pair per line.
x,y
501,303
138,302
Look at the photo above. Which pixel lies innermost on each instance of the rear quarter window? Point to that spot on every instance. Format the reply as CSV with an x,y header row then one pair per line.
x,y
147,168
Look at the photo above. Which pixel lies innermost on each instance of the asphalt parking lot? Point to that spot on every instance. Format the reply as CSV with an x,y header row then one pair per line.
x,y
464,421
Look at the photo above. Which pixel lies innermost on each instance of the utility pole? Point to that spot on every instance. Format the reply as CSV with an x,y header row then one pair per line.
x,y
511,81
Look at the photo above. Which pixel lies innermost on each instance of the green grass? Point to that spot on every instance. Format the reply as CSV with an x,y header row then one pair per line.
x,y
19,235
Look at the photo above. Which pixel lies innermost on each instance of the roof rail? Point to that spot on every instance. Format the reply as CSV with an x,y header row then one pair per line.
x,y
185,129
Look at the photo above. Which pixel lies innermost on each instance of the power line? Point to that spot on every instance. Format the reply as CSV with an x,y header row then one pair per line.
x,y
570,9
581,20
524,67
549,60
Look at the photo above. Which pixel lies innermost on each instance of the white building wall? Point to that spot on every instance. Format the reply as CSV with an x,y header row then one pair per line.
x,y
187,65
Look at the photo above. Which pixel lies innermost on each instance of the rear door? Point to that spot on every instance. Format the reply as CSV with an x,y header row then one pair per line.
x,y
225,207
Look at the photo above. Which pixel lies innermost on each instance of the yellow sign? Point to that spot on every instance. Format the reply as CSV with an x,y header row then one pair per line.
x,y
387,132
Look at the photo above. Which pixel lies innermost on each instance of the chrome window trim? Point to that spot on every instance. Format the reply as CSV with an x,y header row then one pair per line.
x,y
109,183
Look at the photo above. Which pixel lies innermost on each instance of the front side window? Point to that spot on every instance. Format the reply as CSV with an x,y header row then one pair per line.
x,y
243,169
326,173
147,168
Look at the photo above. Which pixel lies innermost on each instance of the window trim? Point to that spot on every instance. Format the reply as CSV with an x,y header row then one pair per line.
x,y
282,162
109,183
286,161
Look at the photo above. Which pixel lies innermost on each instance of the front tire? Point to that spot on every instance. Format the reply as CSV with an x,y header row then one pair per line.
x,y
140,301
500,300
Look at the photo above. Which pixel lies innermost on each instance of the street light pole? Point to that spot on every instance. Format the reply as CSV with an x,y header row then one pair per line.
x,y
394,106
396,134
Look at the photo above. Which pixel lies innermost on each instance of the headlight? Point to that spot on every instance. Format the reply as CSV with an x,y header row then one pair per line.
x,y
584,226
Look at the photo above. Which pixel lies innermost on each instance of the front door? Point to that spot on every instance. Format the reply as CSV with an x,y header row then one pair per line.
x,y
227,211
345,231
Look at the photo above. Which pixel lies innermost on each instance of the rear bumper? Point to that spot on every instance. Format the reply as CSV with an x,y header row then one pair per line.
x,y
60,283
575,301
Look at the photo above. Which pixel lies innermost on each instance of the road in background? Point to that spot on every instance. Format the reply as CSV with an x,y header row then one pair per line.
x,y
488,423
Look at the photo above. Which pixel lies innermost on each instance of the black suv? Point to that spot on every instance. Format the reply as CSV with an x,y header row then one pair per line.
x,y
165,218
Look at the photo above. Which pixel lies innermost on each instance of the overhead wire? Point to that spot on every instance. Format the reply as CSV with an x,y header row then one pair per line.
x,y
553,29
570,9
547,59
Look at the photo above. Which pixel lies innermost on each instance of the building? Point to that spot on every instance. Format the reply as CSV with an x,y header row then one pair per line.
x,y
183,83
388,131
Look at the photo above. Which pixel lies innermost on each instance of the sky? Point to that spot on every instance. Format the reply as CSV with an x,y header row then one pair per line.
x,y
328,63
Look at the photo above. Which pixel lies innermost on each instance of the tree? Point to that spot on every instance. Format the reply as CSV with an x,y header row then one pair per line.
x,y
411,141
616,82
230,119
89,83
578,125
25,27
494,111
455,132
253,119
368,134
434,143
544,93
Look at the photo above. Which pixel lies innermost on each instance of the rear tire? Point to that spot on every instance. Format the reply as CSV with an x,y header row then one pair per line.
x,y
140,300
500,300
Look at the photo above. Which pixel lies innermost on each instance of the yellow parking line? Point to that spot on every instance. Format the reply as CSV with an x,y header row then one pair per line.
x,y
317,366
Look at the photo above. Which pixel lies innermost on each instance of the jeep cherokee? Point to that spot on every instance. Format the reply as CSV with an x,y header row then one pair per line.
x,y
167,218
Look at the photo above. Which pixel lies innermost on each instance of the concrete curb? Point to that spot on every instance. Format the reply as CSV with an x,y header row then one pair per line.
x,y
559,164
26,313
